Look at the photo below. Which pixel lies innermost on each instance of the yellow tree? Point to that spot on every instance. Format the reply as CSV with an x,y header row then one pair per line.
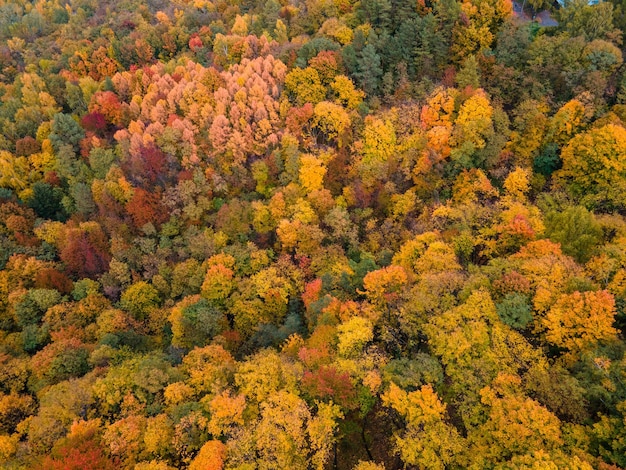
x,y
312,171
515,425
379,146
305,86
594,168
428,441
578,321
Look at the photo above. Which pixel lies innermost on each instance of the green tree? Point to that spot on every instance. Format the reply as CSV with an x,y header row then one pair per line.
x,y
369,70
576,229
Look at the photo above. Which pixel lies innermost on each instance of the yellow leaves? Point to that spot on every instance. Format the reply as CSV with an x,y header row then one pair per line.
x,y
240,27
428,442
264,374
158,435
515,425
542,460
353,335
218,283
209,368
567,122
8,446
473,122
517,184
368,466
421,407
288,233
321,431
305,86
426,253
578,321
462,334
14,171
270,286
331,119
51,232
472,186
178,393
312,171
548,269
346,93
281,433
379,145
593,165
335,28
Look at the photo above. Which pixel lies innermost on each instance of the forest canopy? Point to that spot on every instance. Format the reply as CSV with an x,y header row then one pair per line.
x,y
312,234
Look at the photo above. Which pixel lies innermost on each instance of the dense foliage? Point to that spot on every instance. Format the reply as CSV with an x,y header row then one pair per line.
x,y
312,234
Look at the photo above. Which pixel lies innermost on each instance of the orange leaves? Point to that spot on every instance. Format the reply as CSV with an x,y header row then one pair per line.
x,y
384,284
145,207
226,412
211,457
578,321
218,283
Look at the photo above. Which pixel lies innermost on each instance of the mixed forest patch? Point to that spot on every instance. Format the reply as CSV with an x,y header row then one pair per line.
x,y
312,234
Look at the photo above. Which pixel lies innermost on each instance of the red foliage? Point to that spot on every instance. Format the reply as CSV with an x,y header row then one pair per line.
x,y
195,43
87,455
52,178
327,382
449,75
312,292
146,167
146,207
50,278
85,254
94,122
108,105
512,282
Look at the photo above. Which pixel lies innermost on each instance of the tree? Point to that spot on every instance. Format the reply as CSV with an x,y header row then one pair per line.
x,y
593,167
312,171
64,130
140,299
576,229
429,441
46,201
331,120
379,147
211,457
578,321
85,251
195,322
369,70
304,86
515,424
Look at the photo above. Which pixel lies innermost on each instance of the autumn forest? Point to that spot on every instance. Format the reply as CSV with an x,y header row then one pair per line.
x,y
312,234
